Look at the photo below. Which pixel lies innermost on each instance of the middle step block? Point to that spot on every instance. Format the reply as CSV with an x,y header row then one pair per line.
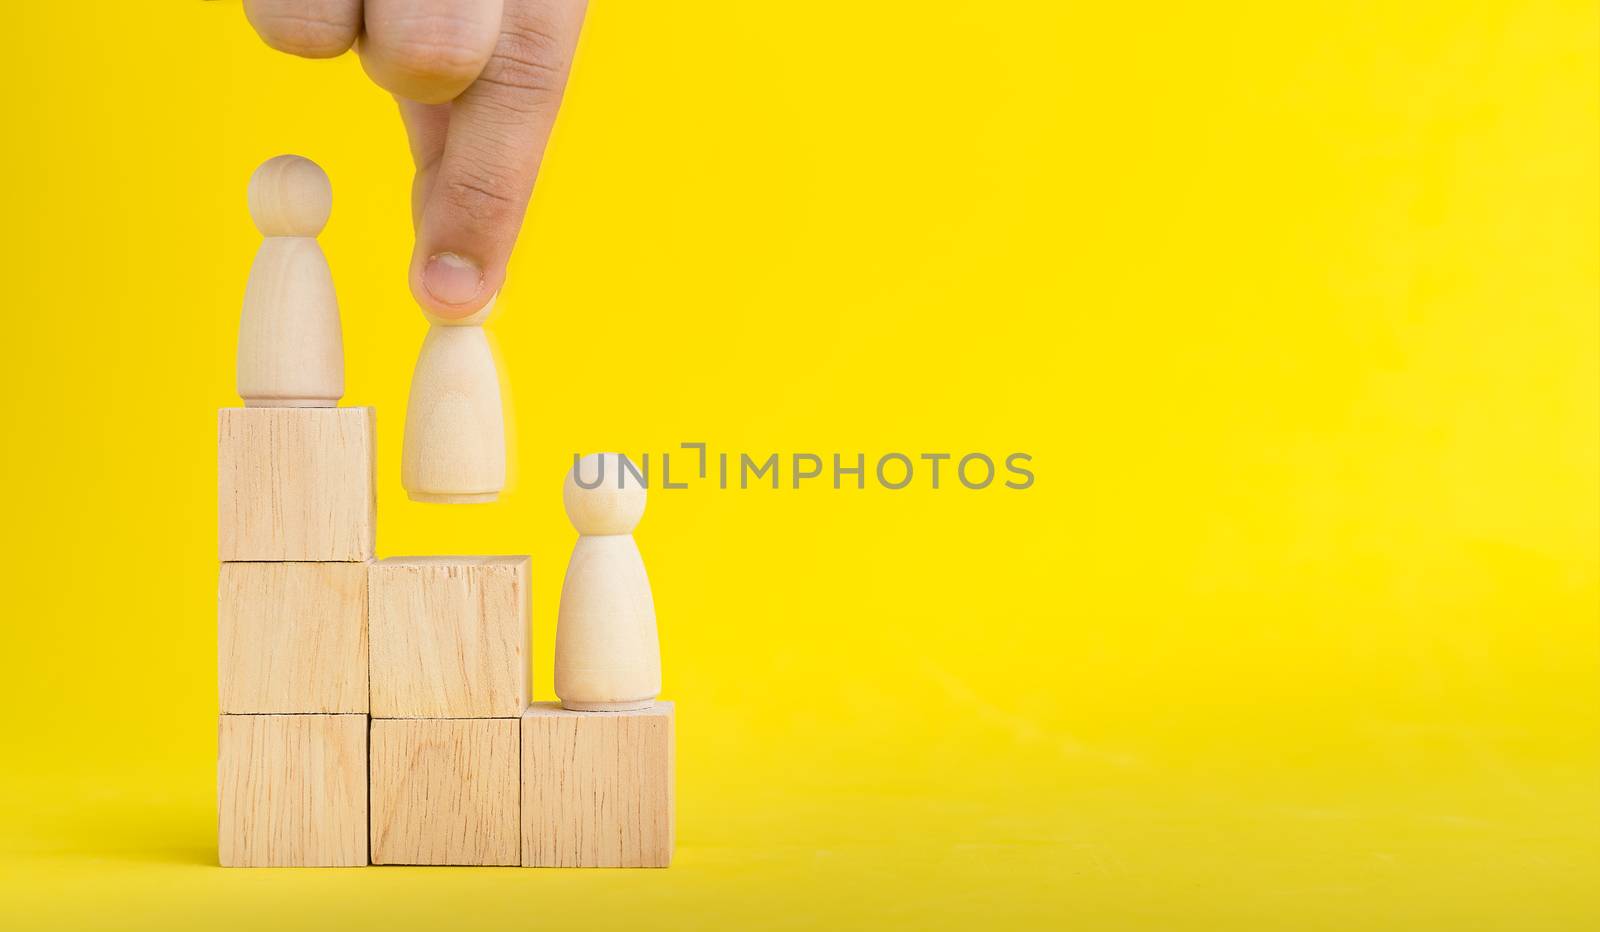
x,y
450,637
292,637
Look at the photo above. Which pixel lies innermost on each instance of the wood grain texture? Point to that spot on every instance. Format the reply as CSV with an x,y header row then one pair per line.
x,y
292,790
292,637
445,791
296,484
450,637
597,787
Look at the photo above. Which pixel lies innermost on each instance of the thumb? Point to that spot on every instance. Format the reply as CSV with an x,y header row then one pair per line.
x,y
473,199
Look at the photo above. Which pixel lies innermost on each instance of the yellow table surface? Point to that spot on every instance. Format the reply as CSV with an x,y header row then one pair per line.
x,y
1295,307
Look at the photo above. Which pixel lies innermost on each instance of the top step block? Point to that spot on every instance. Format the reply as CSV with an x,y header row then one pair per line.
x,y
296,484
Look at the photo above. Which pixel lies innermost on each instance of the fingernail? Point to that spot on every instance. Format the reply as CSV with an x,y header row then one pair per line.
x,y
450,279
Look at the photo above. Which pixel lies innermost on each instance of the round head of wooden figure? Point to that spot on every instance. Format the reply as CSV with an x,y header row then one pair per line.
x,y
290,196
603,496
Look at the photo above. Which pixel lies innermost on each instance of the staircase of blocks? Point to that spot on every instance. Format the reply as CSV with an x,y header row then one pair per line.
x,y
376,712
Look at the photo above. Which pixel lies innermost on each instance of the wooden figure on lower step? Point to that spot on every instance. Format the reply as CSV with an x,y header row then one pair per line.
x,y
608,658
597,769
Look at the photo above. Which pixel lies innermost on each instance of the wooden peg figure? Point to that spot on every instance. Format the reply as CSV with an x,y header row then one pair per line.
x,y
608,657
291,352
455,442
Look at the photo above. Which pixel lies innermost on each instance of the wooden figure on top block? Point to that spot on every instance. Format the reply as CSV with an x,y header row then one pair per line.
x,y
455,442
608,658
296,473
291,353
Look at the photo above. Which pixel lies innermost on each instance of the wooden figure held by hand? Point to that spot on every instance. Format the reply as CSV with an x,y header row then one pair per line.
x,y
455,442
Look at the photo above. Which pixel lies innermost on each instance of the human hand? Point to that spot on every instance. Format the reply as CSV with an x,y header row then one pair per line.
x,y
478,83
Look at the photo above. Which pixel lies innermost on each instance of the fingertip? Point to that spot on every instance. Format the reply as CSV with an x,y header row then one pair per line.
x,y
452,280
451,286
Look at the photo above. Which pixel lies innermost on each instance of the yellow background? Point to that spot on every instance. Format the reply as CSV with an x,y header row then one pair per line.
x,y
1296,307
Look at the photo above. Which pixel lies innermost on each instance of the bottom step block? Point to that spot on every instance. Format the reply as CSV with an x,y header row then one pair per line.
x,y
444,791
597,787
292,790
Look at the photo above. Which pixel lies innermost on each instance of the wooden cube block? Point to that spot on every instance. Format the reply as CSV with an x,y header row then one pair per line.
x,y
597,787
450,637
444,791
292,790
296,483
292,637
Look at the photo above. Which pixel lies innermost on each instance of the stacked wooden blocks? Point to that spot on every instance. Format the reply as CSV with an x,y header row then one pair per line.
x,y
378,712
296,509
449,681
